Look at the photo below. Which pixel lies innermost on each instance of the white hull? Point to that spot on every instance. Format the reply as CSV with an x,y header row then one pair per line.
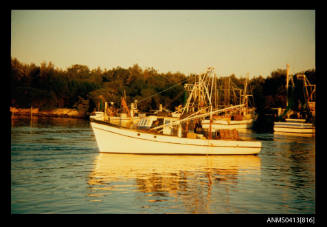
x,y
294,128
224,124
112,139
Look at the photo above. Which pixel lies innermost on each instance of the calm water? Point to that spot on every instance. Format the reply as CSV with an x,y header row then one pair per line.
x,y
56,168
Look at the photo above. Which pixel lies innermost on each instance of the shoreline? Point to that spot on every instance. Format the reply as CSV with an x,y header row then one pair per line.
x,y
57,112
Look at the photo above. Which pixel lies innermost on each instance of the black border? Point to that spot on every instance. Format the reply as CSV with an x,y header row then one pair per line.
x,y
215,219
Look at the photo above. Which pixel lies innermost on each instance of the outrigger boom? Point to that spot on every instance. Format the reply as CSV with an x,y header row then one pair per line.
x,y
192,117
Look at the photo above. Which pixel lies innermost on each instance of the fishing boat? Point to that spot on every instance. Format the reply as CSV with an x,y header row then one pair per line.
x,y
227,123
224,94
172,135
298,118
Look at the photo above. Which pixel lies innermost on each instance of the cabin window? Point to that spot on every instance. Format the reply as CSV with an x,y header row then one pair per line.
x,y
140,122
167,121
144,122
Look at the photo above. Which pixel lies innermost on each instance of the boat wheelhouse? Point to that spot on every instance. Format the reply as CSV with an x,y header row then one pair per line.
x,y
294,124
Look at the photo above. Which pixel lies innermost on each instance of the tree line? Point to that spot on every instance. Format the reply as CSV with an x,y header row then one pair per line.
x,y
46,86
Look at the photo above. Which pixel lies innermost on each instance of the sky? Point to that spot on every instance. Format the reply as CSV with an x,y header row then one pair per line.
x,y
237,42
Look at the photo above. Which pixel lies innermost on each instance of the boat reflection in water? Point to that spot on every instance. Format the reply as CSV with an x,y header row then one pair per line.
x,y
185,179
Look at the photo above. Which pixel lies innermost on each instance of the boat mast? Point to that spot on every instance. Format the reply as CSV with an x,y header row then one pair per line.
x,y
210,125
245,100
210,98
200,95
287,79
216,94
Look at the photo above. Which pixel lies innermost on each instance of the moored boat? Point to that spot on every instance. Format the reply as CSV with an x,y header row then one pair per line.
x,y
239,119
297,125
228,124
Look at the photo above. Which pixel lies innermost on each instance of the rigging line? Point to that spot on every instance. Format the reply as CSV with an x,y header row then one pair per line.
x,y
162,91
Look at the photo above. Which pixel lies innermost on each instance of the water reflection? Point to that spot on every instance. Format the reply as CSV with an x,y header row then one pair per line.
x,y
189,180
